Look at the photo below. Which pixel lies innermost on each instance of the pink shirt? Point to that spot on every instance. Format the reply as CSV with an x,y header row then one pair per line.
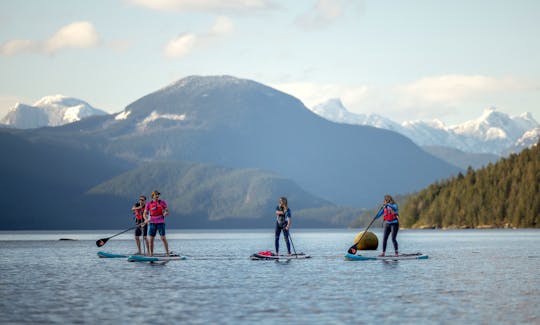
x,y
155,209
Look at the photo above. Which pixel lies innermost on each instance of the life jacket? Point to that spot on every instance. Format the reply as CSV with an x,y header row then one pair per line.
x,y
155,208
282,219
389,214
139,209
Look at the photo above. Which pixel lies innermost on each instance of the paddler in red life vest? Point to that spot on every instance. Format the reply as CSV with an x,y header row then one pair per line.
x,y
155,213
389,211
142,229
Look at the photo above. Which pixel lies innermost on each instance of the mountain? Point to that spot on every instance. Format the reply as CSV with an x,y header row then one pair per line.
x,y
460,158
216,196
492,133
49,111
239,123
57,186
46,181
242,129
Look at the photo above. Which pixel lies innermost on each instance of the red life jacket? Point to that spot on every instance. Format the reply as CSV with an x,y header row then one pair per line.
x,y
139,212
155,208
389,214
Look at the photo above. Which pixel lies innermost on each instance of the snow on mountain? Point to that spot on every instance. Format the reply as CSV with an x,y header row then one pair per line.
x,y
154,116
334,111
49,111
494,132
25,117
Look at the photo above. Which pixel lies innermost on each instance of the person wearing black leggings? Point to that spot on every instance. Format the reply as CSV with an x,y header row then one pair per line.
x,y
389,211
283,223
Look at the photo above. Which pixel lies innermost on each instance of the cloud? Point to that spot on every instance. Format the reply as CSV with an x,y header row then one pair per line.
x,y
180,46
312,94
222,26
75,35
236,6
454,89
14,47
446,96
322,14
184,44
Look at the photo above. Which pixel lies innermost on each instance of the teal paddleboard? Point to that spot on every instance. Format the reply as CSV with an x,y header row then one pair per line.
x,y
110,255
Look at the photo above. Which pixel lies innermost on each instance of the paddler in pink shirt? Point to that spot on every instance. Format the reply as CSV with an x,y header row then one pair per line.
x,y
155,213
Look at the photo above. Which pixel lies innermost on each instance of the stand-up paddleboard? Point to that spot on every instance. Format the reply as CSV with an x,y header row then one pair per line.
x,y
116,255
414,256
141,258
271,256
111,255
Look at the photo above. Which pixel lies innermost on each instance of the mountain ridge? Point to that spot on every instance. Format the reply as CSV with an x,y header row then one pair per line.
x,y
494,132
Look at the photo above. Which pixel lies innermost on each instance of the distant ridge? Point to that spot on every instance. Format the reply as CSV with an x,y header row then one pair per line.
x,y
492,133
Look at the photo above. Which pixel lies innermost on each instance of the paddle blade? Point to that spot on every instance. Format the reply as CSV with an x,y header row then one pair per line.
x,y
352,250
101,242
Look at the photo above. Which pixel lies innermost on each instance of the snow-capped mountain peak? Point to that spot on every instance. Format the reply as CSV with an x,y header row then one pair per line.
x,y
493,132
49,111
334,110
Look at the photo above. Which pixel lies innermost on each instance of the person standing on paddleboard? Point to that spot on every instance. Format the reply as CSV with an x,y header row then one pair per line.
x,y
142,227
283,223
389,212
157,210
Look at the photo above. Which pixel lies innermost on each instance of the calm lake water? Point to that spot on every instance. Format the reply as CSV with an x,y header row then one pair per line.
x,y
471,277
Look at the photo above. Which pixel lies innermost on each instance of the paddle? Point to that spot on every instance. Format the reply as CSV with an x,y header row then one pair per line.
x,y
102,241
290,238
352,249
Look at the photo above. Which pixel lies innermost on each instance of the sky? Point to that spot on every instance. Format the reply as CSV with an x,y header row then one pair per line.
x,y
405,60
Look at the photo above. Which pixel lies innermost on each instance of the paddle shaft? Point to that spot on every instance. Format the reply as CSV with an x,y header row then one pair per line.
x,y
364,233
290,238
353,247
102,241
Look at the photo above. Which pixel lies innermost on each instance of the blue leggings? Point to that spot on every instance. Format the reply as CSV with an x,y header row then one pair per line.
x,y
387,229
285,234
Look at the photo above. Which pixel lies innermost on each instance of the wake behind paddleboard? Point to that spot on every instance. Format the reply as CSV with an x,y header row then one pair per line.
x,y
414,256
267,256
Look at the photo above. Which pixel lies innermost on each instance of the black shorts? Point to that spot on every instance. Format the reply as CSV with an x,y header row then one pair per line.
x,y
141,230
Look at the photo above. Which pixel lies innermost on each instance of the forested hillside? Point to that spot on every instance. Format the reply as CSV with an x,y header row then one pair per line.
x,y
504,194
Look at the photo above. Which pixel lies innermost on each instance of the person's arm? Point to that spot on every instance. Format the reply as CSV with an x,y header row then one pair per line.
x,y
278,211
289,219
165,208
380,213
394,207
145,214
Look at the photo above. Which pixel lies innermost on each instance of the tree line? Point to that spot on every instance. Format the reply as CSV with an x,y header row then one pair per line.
x,y
505,194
